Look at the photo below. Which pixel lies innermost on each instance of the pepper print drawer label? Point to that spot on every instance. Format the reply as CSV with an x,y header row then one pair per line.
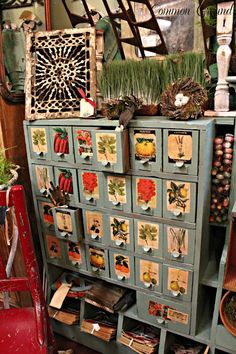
x,y
149,273
122,266
64,222
106,145
180,146
178,197
177,241
39,140
97,258
90,184
146,193
116,188
61,141
177,281
94,224
145,145
74,252
53,247
43,178
84,141
119,230
148,235
65,181
166,313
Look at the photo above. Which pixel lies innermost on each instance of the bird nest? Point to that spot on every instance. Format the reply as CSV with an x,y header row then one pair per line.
x,y
183,100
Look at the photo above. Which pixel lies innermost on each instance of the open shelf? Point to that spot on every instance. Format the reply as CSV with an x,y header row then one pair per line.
x,y
210,276
224,340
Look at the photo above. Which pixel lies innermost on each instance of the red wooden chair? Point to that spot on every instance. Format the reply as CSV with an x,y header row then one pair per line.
x,y
24,330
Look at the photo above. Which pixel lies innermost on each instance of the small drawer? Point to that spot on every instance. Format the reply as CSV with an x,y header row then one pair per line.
x,y
39,143
179,244
148,238
180,151
91,187
66,179
147,195
146,149
168,314
97,261
75,254
177,282
83,145
148,274
121,266
41,178
46,216
121,233
62,144
54,248
94,226
117,192
112,150
68,224
179,200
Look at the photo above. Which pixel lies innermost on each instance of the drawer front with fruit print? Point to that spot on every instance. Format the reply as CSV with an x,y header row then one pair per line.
x,y
179,200
121,266
148,238
39,143
46,216
112,150
68,224
147,195
180,151
177,282
94,226
165,313
83,146
62,144
75,254
117,192
42,176
66,179
54,249
146,149
179,244
97,261
120,232
148,274
90,187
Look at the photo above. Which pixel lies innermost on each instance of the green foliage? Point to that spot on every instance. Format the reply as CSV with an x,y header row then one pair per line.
x,y
148,233
5,169
116,187
107,144
39,137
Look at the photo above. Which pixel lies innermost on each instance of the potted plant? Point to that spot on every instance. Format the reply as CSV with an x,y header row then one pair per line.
x,y
8,171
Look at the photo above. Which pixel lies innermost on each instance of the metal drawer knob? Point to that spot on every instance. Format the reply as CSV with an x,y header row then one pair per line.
x,y
147,249
84,156
175,293
64,234
105,163
43,191
144,162
39,153
148,285
145,207
177,213
60,154
94,237
116,203
179,164
176,254
88,198
76,264
160,320
119,243
95,269
121,277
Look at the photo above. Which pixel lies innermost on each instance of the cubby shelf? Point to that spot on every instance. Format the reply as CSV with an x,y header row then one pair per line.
x,y
210,276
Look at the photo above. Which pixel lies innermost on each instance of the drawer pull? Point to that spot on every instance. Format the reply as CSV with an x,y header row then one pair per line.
x,y
148,285
89,197
175,254
147,249
175,293
145,207
64,234
179,164
119,243
144,162
60,154
76,264
116,203
121,277
85,156
39,153
160,320
177,213
43,191
95,270
94,237
105,163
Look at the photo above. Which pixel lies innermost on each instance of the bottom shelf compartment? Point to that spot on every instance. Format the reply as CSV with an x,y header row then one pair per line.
x,y
225,341
177,344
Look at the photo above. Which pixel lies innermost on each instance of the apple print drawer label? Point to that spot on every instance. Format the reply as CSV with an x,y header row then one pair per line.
x,y
179,244
147,195
46,215
39,143
66,180
83,146
75,254
62,144
117,192
68,223
148,238
53,247
169,314
180,151
177,282
121,232
42,176
97,261
179,200
94,225
149,274
146,149
122,267
90,186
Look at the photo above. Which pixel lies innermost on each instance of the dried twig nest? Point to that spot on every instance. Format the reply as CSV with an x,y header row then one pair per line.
x,y
183,100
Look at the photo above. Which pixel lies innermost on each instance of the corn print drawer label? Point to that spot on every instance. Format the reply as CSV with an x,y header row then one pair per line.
x,y
116,189
177,241
94,224
53,247
119,230
178,197
74,252
166,313
39,140
180,146
97,258
149,273
122,266
65,181
43,178
177,281
61,141
84,143
145,145
90,183
146,193
148,235
64,222
106,145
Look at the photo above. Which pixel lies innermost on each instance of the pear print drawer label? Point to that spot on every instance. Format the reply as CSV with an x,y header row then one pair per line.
x,y
46,215
39,143
121,232
177,282
179,244
68,223
148,274
84,150
146,149
121,267
180,151
94,226
97,261
62,144
90,187
117,192
112,150
75,254
147,195
148,238
42,176
54,248
179,200
66,180
169,314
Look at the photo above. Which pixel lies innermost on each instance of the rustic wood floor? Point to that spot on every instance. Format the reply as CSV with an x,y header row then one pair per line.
x,y
64,343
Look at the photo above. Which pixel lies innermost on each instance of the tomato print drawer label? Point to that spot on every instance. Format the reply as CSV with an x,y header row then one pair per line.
x,y
84,143
177,241
106,147
145,145
166,313
39,141
122,266
61,141
97,258
53,247
178,197
116,189
74,253
90,184
119,230
180,146
149,273
94,225
64,222
148,235
43,178
177,281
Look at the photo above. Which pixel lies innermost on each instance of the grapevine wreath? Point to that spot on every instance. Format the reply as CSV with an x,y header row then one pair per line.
x,y
183,100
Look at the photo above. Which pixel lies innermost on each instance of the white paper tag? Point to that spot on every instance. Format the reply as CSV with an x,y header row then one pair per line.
x,y
86,109
60,295
96,328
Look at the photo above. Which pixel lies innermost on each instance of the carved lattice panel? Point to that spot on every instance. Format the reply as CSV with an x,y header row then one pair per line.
x,y
58,63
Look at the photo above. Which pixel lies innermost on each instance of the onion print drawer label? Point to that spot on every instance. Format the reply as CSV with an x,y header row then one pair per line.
x,y
84,143
53,247
106,146
120,230
74,253
122,266
94,224
97,258
145,145
177,241
146,193
180,146
39,140
116,188
166,313
90,183
149,273
148,235
178,197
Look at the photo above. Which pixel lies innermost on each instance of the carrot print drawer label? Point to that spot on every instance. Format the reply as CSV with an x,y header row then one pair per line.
x,y
177,281
165,313
149,273
65,181
145,145
74,253
116,188
177,242
61,141
148,236
120,231
90,183
178,197
84,144
106,146
94,225
180,147
53,247
97,259
39,141
122,266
